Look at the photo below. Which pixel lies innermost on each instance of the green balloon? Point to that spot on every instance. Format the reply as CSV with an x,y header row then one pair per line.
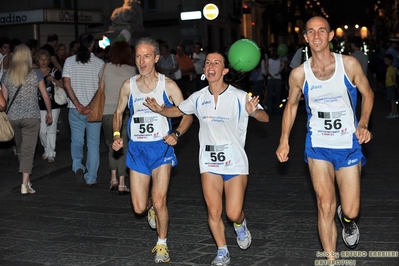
x,y
244,55
282,50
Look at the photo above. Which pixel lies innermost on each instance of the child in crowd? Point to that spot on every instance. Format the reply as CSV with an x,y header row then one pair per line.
x,y
390,84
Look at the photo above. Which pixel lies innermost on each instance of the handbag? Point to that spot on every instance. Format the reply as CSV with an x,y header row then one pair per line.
x,y
60,95
6,130
177,73
98,102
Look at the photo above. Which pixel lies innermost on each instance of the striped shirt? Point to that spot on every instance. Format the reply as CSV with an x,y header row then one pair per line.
x,y
84,78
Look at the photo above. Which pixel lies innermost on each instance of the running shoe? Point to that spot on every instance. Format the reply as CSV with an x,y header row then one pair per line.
x,y
222,258
244,238
162,253
151,218
350,233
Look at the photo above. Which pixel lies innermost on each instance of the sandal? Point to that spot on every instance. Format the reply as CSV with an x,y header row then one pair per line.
x,y
113,184
123,190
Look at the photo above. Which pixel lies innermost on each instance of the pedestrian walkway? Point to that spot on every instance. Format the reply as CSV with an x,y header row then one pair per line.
x,y
64,225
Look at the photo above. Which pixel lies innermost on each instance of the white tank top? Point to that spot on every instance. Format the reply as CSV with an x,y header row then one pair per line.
x,y
145,125
330,107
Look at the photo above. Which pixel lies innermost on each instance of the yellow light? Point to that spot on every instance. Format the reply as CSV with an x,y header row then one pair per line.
x,y
363,32
339,32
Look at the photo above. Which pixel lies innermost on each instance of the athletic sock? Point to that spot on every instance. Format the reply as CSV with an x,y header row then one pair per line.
x,y
162,242
224,248
347,222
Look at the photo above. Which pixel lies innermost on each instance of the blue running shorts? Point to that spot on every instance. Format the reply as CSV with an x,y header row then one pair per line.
x,y
338,157
225,177
144,157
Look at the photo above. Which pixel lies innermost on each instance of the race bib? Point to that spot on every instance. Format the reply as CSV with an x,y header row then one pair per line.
x,y
332,126
218,156
145,127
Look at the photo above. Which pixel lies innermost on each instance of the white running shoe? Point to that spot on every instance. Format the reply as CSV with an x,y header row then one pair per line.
x,y
222,258
350,234
151,218
244,238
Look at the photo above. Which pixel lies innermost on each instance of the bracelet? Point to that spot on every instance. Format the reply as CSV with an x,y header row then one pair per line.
x,y
254,113
117,133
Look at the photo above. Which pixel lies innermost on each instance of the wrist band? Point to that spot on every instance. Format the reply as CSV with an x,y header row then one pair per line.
x,y
254,113
117,133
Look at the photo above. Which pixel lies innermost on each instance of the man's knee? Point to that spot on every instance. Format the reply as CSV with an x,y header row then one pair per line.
x,y
351,211
159,203
139,207
326,208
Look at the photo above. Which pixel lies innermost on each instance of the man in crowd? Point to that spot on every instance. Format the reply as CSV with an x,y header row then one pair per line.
x,y
52,41
80,77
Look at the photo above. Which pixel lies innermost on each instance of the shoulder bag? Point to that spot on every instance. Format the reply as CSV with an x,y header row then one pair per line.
x,y
60,96
98,102
6,130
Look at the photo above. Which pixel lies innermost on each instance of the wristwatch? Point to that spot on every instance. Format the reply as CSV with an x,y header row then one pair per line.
x,y
177,133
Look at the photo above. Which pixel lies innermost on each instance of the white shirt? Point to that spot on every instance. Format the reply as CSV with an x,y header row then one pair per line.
x,y
274,68
84,78
223,129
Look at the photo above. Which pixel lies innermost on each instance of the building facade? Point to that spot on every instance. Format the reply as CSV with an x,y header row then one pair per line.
x,y
161,20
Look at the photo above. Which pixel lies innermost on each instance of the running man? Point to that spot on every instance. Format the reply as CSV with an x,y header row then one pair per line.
x,y
150,156
329,83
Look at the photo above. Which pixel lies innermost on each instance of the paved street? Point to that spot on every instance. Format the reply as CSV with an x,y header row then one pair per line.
x,y
65,225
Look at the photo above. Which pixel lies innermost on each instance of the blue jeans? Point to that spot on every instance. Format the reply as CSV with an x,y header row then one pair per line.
x,y
79,126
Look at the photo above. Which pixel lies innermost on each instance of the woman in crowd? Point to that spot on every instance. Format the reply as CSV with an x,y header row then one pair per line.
x,y
48,132
116,72
223,116
60,53
24,113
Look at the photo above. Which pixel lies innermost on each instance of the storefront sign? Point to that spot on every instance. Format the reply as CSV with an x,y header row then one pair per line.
x,y
50,15
67,16
21,17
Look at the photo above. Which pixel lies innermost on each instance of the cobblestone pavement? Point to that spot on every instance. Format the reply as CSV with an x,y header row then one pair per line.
x,y
65,225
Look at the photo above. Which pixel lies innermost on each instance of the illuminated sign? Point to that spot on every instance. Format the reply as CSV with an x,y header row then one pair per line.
x,y
211,11
190,15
